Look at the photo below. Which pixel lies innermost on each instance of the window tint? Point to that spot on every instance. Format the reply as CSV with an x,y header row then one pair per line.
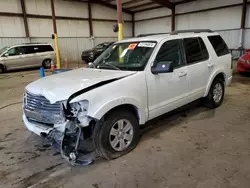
x,y
203,47
193,50
171,51
219,45
30,49
16,51
45,48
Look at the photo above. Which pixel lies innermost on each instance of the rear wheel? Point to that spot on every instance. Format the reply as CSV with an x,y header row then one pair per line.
x,y
216,94
117,135
47,63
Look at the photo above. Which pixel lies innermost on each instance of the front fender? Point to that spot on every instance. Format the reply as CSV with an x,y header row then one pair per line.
x,y
106,107
211,79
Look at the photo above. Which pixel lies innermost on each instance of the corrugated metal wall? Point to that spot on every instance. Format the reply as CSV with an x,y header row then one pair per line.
x,y
226,20
74,36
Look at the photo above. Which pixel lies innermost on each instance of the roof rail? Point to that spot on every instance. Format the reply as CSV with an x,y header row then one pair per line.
x,y
178,32
191,31
35,43
150,34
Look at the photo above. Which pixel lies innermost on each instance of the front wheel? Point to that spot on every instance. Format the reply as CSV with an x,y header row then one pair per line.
x,y
1,69
216,94
117,134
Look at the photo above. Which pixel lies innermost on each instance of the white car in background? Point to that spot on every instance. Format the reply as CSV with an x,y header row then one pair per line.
x,y
26,56
132,82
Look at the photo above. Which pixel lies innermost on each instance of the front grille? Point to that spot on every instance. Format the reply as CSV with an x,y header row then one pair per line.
x,y
39,102
37,108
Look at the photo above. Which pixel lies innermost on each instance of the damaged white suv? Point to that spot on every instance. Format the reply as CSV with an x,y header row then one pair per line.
x,y
97,111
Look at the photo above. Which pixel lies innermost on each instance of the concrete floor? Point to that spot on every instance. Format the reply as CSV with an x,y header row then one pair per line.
x,y
194,147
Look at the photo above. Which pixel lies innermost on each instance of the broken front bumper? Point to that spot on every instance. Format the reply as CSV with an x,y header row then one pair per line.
x,y
66,138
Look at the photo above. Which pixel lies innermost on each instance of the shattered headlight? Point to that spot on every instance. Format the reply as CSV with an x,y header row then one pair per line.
x,y
79,110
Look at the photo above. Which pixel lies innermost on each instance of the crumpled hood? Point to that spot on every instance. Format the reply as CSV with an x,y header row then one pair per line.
x,y
61,86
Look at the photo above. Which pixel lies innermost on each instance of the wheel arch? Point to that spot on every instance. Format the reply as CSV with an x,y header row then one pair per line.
x,y
217,74
3,66
114,105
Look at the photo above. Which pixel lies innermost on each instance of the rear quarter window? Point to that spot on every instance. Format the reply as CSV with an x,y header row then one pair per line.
x,y
45,48
219,45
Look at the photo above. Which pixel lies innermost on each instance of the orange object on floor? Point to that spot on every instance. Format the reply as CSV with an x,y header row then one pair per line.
x,y
52,68
66,63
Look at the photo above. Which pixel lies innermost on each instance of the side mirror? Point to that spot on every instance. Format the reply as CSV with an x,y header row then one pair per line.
x,y
91,65
163,67
6,55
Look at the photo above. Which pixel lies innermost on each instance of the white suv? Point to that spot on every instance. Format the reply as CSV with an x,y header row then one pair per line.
x,y
132,82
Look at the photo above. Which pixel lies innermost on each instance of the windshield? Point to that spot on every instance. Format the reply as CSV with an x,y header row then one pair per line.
x,y
126,56
3,50
100,46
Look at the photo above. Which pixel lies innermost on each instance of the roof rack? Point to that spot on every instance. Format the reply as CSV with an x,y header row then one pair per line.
x,y
150,34
191,31
179,31
35,43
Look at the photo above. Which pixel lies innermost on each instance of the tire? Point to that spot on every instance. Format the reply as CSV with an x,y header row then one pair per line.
x,y
46,63
2,69
216,94
103,138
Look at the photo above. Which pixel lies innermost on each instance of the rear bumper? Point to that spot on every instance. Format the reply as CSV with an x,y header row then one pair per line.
x,y
229,80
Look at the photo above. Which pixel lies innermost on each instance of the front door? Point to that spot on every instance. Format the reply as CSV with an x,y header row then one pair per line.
x,y
14,58
168,91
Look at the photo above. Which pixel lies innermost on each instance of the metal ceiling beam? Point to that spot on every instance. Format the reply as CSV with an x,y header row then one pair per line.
x,y
26,26
131,2
165,3
109,5
142,5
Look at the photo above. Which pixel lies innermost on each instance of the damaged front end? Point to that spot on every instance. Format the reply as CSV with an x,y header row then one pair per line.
x,y
65,125
75,143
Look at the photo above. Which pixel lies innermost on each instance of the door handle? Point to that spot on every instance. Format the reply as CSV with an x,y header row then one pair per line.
x,y
182,74
210,65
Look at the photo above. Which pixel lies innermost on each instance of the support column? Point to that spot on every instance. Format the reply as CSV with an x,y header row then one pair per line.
x,y
90,20
119,19
91,33
173,19
243,22
26,26
58,62
133,24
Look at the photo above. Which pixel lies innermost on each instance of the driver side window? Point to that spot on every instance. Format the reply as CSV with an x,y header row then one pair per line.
x,y
15,51
171,51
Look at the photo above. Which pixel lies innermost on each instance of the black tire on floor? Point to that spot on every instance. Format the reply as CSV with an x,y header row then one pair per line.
x,y
210,100
47,63
101,135
1,68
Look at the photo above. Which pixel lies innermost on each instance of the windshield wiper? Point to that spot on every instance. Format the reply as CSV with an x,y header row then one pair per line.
x,y
113,66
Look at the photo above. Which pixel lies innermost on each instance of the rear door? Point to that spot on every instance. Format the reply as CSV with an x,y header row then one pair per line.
x,y
223,56
30,52
199,66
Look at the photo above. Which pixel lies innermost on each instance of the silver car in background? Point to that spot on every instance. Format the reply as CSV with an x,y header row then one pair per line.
x,y
26,56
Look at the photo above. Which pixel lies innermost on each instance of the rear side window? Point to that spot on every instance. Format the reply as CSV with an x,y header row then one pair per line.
x,y
30,49
195,50
45,48
203,49
219,45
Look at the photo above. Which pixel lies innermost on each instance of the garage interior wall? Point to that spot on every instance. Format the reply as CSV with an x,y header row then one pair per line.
x,y
73,33
223,16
